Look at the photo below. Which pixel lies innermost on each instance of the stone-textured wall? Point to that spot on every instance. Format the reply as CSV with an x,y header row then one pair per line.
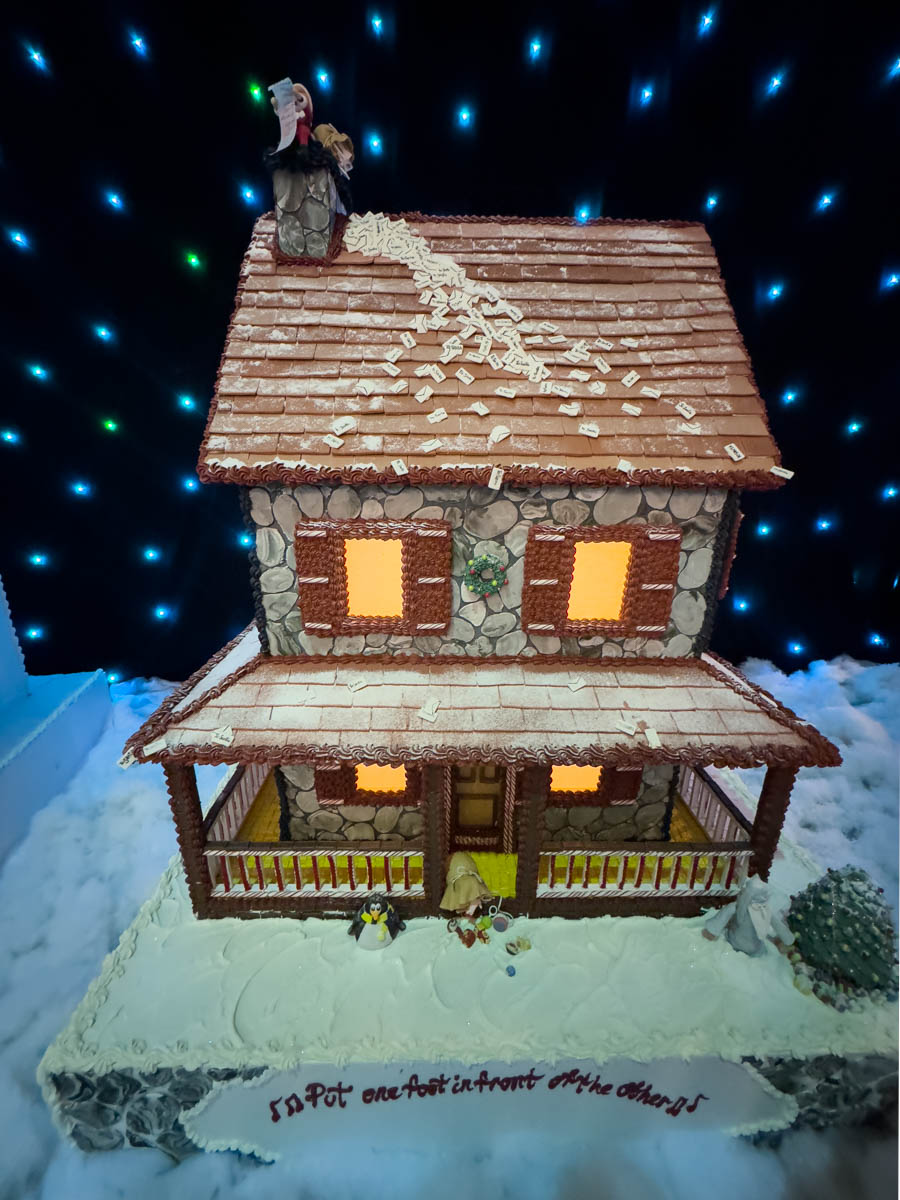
x,y
487,522
308,820
645,820
304,209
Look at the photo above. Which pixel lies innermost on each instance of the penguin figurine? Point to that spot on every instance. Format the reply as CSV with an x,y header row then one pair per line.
x,y
376,924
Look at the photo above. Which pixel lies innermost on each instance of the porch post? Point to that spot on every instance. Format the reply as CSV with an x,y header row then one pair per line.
x,y
185,805
770,812
535,786
433,865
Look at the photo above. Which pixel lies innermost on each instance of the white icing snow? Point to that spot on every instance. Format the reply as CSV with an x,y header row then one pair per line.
x,y
241,652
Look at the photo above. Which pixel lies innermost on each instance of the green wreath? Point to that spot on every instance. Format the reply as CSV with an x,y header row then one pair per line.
x,y
475,580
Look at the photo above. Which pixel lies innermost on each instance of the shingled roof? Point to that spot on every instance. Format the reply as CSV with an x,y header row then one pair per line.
x,y
622,712
310,344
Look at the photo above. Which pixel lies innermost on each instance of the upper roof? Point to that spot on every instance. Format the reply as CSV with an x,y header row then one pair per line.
x,y
306,344
307,708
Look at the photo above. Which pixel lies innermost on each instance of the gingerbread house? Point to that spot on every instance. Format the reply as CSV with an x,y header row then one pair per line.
x,y
493,471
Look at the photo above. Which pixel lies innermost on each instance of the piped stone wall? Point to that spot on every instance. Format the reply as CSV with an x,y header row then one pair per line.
x,y
645,820
488,522
308,820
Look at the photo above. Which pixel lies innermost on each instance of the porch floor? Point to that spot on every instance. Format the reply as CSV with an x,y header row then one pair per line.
x,y
684,826
263,819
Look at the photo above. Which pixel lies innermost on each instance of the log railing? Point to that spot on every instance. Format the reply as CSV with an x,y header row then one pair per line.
x,y
714,810
643,869
308,869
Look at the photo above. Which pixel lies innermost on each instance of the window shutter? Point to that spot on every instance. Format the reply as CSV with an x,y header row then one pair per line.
x,y
655,570
549,557
320,582
426,577
622,786
335,785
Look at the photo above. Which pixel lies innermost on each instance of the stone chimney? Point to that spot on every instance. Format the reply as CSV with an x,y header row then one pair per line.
x,y
310,169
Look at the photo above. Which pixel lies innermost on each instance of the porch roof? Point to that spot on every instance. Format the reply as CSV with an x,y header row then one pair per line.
x,y
310,708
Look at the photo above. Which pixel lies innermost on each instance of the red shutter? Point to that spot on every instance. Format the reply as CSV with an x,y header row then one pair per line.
x,y
320,578
620,786
549,558
426,578
654,574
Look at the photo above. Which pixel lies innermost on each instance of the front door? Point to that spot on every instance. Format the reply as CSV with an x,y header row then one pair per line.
x,y
478,791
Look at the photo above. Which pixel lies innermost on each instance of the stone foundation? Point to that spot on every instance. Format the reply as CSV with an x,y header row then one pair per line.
x,y
645,820
308,820
487,522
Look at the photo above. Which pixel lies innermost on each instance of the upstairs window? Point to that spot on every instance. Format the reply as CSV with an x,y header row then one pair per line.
x,y
373,577
366,783
588,580
598,786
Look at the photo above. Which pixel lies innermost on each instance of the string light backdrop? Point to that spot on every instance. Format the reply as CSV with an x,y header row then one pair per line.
x,y
132,175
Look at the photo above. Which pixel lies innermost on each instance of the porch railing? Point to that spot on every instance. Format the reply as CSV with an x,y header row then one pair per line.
x,y
647,870
300,869
715,811
227,814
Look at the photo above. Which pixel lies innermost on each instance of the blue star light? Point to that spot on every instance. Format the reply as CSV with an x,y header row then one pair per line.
x,y
796,647
774,84
825,201
788,396
162,612
895,69
36,371
38,560
373,141
712,201
151,554
103,332
189,483
853,427
705,24
823,524
763,529
245,539
464,117
81,488
138,45
36,58
113,677
323,79
34,632
10,436
890,279
775,291
247,194
376,24
114,200
582,214
741,604
534,49
889,492
877,639
18,238
646,94
188,403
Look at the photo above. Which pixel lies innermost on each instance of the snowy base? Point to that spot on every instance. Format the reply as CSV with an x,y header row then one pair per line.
x,y
182,1004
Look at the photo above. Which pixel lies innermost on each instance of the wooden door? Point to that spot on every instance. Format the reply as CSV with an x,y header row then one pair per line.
x,y
478,791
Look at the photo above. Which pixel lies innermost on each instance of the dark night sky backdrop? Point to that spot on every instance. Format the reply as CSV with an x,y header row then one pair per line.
x,y
176,133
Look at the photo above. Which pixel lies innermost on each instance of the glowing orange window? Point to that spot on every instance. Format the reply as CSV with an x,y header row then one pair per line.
x,y
372,778
574,779
374,577
598,581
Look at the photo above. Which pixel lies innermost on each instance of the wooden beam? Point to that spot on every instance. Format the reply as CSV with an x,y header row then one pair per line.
x,y
535,788
770,812
185,805
434,864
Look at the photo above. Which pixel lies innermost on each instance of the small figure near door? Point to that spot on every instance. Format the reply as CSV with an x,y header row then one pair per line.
x,y
466,891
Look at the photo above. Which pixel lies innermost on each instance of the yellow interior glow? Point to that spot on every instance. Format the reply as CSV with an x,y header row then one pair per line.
x,y
370,778
374,577
574,779
598,581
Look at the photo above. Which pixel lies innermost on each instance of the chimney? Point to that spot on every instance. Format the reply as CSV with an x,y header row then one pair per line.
x,y
310,172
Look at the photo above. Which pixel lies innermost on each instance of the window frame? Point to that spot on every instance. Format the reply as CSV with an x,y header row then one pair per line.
x,y
321,578
335,785
616,786
650,581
